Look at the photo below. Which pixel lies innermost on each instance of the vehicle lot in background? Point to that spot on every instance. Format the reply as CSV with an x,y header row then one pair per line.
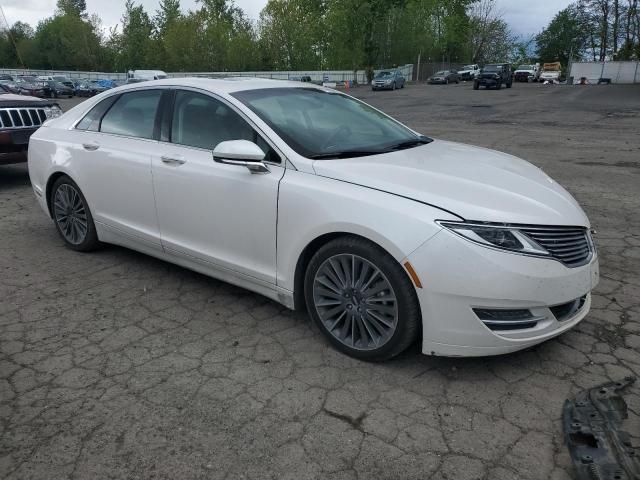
x,y
118,362
444,77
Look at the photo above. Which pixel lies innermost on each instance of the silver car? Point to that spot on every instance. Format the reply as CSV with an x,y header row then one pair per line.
x,y
388,80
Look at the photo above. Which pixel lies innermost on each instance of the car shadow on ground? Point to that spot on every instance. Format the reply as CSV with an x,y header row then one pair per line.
x,y
13,176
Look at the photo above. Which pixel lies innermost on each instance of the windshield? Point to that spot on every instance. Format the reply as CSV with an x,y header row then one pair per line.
x,y
441,73
492,68
468,67
320,124
384,74
525,67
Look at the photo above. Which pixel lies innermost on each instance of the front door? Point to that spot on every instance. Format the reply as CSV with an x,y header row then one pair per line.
x,y
214,213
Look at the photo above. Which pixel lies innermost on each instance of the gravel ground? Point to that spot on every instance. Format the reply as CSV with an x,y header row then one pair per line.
x,y
117,365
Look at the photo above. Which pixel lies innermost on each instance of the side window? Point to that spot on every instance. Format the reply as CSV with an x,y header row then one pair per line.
x,y
133,114
91,120
202,121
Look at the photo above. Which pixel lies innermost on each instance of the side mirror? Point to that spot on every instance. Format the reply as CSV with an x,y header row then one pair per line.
x,y
241,153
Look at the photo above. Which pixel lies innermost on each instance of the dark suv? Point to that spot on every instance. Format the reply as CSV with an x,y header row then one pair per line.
x,y
494,75
20,116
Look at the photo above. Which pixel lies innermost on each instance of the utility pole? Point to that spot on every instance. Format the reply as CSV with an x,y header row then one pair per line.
x,y
12,39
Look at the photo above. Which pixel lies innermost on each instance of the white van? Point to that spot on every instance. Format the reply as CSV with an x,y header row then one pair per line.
x,y
142,75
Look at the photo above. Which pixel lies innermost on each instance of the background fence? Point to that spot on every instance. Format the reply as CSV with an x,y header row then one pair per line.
x,y
316,75
618,72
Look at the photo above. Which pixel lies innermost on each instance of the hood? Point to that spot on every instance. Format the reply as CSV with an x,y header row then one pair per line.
x,y
13,100
471,182
524,71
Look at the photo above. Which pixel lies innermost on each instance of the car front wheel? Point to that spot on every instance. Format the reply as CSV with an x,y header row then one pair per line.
x,y
72,217
362,299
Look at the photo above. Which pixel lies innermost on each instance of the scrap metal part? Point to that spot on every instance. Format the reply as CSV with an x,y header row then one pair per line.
x,y
598,448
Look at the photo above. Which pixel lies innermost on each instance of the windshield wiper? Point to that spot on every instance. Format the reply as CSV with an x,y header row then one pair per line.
x,y
421,140
346,154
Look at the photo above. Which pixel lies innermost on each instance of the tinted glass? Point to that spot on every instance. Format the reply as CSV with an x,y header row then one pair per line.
x,y
202,121
133,114
316,122
91,120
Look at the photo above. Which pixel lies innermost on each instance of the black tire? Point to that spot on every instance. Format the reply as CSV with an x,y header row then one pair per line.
x,y
446,81
499,86
509,85
476,86
90,241
393,87
409,318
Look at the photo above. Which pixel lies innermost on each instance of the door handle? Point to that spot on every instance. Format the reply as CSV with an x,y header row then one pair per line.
x,y
90,146
173,160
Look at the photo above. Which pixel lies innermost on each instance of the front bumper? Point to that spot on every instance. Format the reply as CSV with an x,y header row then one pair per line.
x,y
436,81
382,86
14,144
489,82
522,77
458,276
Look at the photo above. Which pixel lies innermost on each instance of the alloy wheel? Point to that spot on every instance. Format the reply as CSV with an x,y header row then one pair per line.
x,y
70,214
355,302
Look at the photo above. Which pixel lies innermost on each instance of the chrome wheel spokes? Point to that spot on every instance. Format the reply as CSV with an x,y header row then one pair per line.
x,y
70,214
355,302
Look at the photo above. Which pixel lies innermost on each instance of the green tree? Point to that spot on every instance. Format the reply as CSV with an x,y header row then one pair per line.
x,y
67,42
292,34
72,7
564,37
135,44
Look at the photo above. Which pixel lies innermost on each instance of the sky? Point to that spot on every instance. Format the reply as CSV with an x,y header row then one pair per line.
x,y
525,17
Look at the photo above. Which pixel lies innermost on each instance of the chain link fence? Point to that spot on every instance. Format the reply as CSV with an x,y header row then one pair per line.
x,y
317,76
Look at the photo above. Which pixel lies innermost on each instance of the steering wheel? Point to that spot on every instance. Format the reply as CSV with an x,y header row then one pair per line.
x,y
338,133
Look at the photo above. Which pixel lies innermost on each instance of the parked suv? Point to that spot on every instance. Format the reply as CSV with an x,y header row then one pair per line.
x,y
494,75
20,116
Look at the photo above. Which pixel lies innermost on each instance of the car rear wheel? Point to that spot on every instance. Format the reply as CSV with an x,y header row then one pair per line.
x,y
361,299
72,216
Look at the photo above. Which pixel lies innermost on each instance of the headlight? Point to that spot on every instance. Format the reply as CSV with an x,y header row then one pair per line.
x,y
387,81
497,236
53,111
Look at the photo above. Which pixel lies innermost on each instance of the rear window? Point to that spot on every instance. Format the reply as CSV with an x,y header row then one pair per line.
x,y
133,114
91,120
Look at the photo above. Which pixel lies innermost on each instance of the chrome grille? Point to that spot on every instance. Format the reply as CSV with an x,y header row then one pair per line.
x,y
21,117
570,245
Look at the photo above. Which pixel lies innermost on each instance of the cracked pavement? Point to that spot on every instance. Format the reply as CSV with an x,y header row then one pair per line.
x,y
117,365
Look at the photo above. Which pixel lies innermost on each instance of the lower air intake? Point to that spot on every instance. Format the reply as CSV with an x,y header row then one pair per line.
x,y
504,319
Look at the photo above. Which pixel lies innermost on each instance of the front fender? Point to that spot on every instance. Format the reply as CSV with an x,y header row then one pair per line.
x,y
310,206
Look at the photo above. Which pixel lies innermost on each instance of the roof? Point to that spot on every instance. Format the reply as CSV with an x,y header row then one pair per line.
x,y
225,85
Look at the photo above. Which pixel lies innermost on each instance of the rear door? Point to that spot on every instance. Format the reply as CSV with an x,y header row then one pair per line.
x,y
115,141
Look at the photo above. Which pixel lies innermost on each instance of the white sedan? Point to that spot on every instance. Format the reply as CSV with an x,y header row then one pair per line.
x,y
319,201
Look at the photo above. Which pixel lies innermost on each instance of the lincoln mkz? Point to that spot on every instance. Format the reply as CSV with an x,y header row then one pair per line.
x,y
316,200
